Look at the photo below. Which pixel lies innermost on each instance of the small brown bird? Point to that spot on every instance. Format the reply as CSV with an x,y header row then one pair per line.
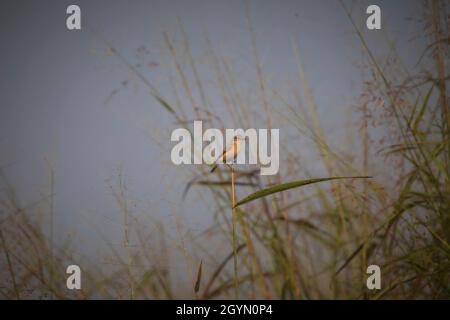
x,y
230,153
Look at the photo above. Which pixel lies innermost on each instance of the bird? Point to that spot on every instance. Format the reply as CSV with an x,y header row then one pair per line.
x,y
230,153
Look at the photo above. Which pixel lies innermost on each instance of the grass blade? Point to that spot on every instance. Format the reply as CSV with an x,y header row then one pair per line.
x,y
286,186
163,102
199,277
218,270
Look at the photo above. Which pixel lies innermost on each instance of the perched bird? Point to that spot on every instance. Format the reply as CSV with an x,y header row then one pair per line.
x,y
229,153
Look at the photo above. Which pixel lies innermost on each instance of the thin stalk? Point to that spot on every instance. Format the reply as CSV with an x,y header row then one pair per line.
x,y
233,211
52,219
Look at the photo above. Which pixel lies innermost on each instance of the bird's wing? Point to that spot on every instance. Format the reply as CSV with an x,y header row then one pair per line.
x,y
221,157
227,153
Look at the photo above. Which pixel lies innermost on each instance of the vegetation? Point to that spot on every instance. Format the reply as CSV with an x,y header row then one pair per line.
x,y
288,237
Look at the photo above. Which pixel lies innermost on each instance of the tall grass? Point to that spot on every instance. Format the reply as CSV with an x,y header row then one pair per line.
x,y
286,242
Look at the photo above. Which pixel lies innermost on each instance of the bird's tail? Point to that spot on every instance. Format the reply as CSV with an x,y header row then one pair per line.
x,y
213,168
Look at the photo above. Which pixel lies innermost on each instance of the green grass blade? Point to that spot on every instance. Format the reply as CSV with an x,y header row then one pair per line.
x,y
286,186
163,102
199,277
420,116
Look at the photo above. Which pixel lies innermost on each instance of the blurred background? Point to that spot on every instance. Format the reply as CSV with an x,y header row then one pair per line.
x,y
86,176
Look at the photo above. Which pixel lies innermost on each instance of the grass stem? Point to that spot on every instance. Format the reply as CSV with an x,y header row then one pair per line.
x,y
233,209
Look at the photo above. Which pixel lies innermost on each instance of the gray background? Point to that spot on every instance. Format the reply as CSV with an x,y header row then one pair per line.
x,y
56,98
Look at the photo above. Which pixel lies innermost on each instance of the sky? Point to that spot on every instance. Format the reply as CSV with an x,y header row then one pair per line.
x,y
61,107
